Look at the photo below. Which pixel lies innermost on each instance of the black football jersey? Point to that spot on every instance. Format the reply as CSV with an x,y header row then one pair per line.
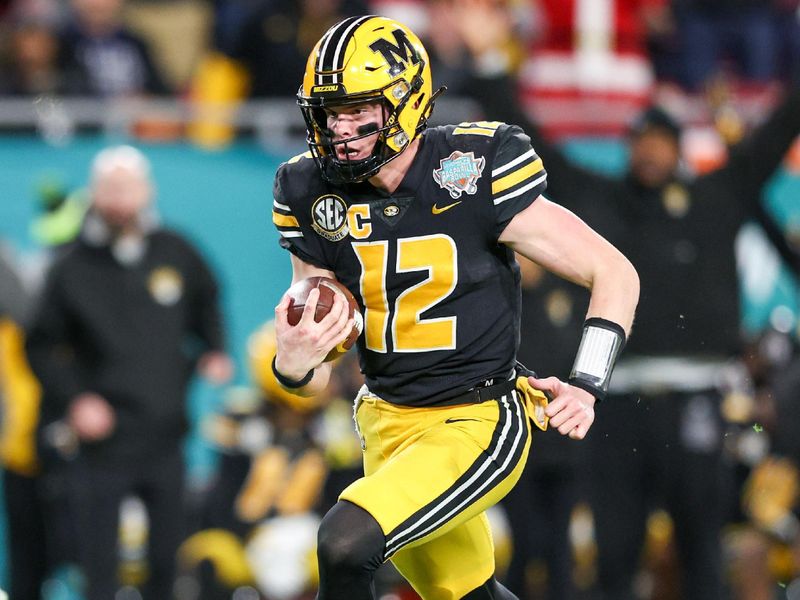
x,y
439,294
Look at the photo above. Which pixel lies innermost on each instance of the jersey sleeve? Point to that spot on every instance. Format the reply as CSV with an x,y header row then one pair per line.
x,y
294,236
518,175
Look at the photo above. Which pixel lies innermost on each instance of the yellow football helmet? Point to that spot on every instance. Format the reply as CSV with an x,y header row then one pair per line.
x,y
359,60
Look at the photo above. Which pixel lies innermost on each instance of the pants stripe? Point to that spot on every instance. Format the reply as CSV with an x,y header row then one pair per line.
x,y
499,460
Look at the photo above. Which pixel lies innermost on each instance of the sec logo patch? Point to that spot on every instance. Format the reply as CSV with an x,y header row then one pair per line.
x,y
329,217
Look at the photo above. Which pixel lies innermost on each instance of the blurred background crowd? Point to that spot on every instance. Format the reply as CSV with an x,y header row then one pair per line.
x,y
671,126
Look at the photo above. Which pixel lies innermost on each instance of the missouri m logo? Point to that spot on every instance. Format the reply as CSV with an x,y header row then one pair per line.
x,y
398,55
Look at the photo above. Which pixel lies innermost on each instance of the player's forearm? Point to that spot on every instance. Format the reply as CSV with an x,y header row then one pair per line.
x,y
615,291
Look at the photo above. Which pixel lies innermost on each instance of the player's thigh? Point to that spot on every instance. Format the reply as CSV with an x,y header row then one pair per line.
x,y
447,475
450,565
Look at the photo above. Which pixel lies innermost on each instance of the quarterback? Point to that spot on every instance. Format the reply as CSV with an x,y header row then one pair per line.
x,y
422,225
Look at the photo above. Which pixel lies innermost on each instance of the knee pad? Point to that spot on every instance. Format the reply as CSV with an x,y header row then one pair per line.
x,y
350,539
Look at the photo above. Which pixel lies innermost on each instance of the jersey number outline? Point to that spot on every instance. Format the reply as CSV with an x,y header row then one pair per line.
x,y
437,254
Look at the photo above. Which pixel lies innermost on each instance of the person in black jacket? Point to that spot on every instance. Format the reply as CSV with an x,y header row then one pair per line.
x,y
662,430
128,312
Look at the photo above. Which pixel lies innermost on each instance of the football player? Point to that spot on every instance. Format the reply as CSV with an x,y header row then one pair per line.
x,y
421,225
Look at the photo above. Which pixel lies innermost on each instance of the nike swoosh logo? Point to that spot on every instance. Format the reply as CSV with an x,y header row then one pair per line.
x,y
437,211
452,420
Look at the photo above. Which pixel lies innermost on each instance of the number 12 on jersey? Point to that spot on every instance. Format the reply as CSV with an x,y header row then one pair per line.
x,y
435,254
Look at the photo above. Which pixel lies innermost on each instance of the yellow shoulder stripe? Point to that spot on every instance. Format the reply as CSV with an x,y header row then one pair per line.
x,y
515,177
284,220
474,131
294,159
484,124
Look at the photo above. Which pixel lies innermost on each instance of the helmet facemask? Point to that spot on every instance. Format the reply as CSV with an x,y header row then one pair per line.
x,y
323,148
391,137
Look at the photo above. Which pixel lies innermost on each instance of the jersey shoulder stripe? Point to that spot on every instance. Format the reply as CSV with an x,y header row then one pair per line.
x,y
299,157
517,168
484,128
285,203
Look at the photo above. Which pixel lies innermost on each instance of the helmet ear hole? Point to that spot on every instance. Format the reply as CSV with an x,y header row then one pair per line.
x,y
419,101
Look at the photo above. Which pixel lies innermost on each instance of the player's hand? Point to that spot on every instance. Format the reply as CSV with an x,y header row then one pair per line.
x,y
91,417
215,367
304,346
571,409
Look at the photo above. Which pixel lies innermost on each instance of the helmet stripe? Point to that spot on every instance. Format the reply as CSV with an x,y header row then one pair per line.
x,y
338,56
325,56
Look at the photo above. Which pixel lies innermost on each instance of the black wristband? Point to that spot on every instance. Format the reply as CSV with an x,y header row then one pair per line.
x,y
291,383
598,393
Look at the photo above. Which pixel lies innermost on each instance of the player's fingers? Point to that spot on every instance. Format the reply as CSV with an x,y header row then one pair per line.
x,y
559,403
282,311
337,312
578,433
554,407
548,384
340,330
582,429
310,309
570,424
344,315
335,321
586,417
344,331
559,412
283,305
334,331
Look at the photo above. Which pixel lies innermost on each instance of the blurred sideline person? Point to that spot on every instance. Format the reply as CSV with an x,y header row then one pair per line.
x,y
116,62
128,312
661,438
33,67
29,550
421,226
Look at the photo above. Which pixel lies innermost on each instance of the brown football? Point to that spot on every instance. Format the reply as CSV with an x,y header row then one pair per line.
x,y
298,294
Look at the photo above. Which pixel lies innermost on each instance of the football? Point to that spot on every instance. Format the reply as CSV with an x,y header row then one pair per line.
x,y
298,294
